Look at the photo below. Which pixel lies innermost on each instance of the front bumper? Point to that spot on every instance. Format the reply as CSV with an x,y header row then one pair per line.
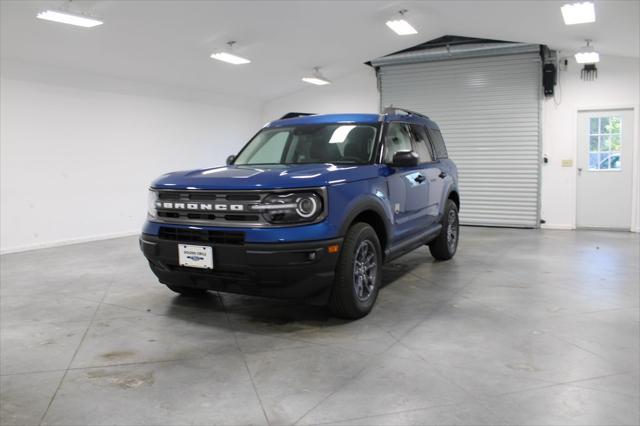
x,y
283,270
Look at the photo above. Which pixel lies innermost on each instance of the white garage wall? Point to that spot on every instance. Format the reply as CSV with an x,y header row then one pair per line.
x,y
76,163
355,92
617,85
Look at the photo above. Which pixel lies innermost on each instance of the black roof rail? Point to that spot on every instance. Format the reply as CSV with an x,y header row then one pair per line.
x,y
394,110
296,114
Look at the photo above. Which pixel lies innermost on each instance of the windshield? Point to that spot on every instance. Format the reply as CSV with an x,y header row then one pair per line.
x,y
325,143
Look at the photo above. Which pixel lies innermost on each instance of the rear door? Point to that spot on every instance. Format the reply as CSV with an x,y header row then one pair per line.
x,y
430,170
408,189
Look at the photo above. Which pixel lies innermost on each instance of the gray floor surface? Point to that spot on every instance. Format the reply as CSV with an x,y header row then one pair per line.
x,y
521,327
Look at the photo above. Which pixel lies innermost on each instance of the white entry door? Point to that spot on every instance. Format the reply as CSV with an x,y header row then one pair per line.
x,y
605,169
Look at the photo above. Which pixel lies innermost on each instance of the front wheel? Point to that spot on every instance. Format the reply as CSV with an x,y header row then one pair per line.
x,y
358,274
446,244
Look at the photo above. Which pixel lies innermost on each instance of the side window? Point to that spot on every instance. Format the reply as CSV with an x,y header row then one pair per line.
x,y
397,139
439,147
421,142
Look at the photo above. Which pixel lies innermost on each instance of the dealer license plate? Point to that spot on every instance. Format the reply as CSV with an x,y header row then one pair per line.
x,y
195,256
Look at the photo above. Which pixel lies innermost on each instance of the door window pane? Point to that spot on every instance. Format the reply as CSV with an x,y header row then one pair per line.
x,y
423,148
604,138
615,143
398,139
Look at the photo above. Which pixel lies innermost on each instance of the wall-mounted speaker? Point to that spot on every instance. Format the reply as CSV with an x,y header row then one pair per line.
x,y
549,76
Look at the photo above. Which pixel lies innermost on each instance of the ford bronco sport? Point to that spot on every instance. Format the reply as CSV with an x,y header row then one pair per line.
x,y
310,209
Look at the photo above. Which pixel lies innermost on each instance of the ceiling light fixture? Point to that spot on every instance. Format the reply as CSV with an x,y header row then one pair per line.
x,y
587,55
66,17
316,78
229,57
401,26
578,13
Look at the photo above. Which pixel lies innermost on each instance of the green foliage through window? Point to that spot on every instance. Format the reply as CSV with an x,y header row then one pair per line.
x,y
605,134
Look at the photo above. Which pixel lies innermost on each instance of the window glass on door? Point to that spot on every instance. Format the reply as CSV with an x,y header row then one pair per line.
x,y
421,143
605,134
438,144
398,139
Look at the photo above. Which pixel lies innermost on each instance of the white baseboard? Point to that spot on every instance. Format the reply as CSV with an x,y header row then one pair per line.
x,y
59,243
556,226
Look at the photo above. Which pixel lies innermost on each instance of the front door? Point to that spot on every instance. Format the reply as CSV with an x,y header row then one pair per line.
x,y
408,187
605,169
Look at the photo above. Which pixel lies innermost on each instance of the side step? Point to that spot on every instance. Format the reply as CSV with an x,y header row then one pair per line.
x,y
411,243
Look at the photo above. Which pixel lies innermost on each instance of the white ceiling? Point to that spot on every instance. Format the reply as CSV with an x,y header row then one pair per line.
x,y
168,43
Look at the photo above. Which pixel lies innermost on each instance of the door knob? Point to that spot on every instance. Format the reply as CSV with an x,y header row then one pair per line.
x,y
579,171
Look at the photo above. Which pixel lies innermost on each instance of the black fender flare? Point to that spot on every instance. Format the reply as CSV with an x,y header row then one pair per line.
x,y
363,204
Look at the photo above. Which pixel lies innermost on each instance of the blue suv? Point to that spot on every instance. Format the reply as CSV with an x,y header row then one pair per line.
x,y
309,209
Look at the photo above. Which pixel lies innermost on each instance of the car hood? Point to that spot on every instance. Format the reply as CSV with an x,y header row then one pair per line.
x,y
266,177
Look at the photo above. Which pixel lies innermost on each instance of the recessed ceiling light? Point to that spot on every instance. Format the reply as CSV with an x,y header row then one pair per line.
x,y
401,26
316,78
69,18
578,13
587,55
229,57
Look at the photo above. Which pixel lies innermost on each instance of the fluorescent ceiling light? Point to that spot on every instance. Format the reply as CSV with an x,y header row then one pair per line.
x,y
69,18
316,78
316,81
401,27
232,59
587,57
578,13
229,57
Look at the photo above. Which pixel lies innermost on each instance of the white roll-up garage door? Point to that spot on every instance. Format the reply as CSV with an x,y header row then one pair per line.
x,y
488,109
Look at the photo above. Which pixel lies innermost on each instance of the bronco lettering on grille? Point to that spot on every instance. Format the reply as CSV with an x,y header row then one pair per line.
x,y
199,206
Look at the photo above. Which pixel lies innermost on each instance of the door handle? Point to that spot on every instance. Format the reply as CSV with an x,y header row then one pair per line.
x,y
442,175
420,178
579,171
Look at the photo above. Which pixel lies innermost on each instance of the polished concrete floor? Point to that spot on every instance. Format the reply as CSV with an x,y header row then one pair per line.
x,y
522,327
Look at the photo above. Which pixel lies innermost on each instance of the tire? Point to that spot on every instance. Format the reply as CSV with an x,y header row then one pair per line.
x,y
188,291
358,274
445,245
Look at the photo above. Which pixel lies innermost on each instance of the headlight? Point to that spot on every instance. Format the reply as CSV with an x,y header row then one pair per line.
x,y
151,203
291,207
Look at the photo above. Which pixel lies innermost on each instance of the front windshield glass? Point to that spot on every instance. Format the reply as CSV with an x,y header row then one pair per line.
x,y
325,143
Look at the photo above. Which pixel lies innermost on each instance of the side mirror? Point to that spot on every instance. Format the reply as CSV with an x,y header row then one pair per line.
x,y
230,159
405,159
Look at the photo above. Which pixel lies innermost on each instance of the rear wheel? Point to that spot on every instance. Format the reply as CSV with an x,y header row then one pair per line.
x,y
445,246
187,291
358,274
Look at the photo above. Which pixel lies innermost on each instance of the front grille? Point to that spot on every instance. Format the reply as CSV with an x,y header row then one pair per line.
x,y
201,236
192,202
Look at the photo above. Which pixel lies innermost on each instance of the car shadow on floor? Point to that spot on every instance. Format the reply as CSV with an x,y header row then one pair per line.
x,y
276,314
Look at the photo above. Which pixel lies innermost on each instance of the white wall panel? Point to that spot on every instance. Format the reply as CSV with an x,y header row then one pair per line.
x,y
76,163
